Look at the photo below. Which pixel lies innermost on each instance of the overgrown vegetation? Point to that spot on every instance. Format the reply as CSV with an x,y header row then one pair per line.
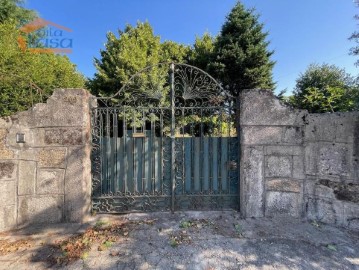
x,y
27,78
326,88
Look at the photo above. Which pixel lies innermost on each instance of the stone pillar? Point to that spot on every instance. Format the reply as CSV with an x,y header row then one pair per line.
x,y
272,156
49,176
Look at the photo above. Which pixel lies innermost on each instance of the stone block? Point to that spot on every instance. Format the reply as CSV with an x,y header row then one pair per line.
x,y
284,150
298,167
351,215
6,153
321,127
7,217
27,177
30,154
311,157
52,157
7,193
322,191
261,107
11,138
334,160
3,133
252,181
325,210
40,209
346,124
65,108
309,187
261,135
7,170
50,181
78,184
285,185
293,135
278,166
280,204
69,136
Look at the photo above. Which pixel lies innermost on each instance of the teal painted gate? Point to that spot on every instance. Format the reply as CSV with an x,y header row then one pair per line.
x,y
165,141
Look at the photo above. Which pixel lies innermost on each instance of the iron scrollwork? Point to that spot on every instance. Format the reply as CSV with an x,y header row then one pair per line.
x,y
148,135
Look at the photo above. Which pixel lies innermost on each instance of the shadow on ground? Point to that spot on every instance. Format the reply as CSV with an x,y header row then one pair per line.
x,y
196,240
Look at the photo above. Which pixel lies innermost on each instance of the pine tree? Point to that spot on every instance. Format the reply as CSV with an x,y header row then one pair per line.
x,y
135,49
241,55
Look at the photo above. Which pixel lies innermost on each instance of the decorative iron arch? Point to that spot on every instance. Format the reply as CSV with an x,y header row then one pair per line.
x,y
169,84
165,140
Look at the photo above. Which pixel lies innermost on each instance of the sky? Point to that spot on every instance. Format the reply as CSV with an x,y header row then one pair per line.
x,y
299,32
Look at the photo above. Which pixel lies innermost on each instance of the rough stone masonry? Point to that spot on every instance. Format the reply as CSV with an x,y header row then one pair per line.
x,y
298,164
292,163
46,179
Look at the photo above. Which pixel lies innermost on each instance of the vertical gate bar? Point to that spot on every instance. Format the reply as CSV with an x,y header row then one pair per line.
x,y
120,165
124,145
196,164
101,151
108,151
192,154
152,159
224,159
229,151
143,152
215,163
114,149
134,176
138,162
205,167
201,153
146,163
188,163
173,123
210,151
161,174
183,154
220,141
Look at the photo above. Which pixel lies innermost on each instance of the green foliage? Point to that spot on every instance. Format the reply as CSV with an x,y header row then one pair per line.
x,y
202,52
325,88
26,78
11,10
241,57
135,49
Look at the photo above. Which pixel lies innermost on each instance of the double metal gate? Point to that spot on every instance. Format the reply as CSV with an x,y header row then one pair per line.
x,y
166,141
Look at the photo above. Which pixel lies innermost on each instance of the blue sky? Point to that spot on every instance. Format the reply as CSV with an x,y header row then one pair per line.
x,y
300,32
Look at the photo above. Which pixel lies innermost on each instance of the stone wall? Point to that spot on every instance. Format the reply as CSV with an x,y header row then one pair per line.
x,y
292,163
298,164
47,178
332,168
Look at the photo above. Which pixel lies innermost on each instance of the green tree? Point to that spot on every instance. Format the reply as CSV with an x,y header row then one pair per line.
x,y
13,10
325,88
355,37
242,59
135,49
25,77
202,52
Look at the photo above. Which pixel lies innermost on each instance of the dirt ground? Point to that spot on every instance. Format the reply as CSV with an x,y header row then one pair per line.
x,y
184,240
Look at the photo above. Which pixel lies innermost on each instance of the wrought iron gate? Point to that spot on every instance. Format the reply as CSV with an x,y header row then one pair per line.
x,y
166,141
